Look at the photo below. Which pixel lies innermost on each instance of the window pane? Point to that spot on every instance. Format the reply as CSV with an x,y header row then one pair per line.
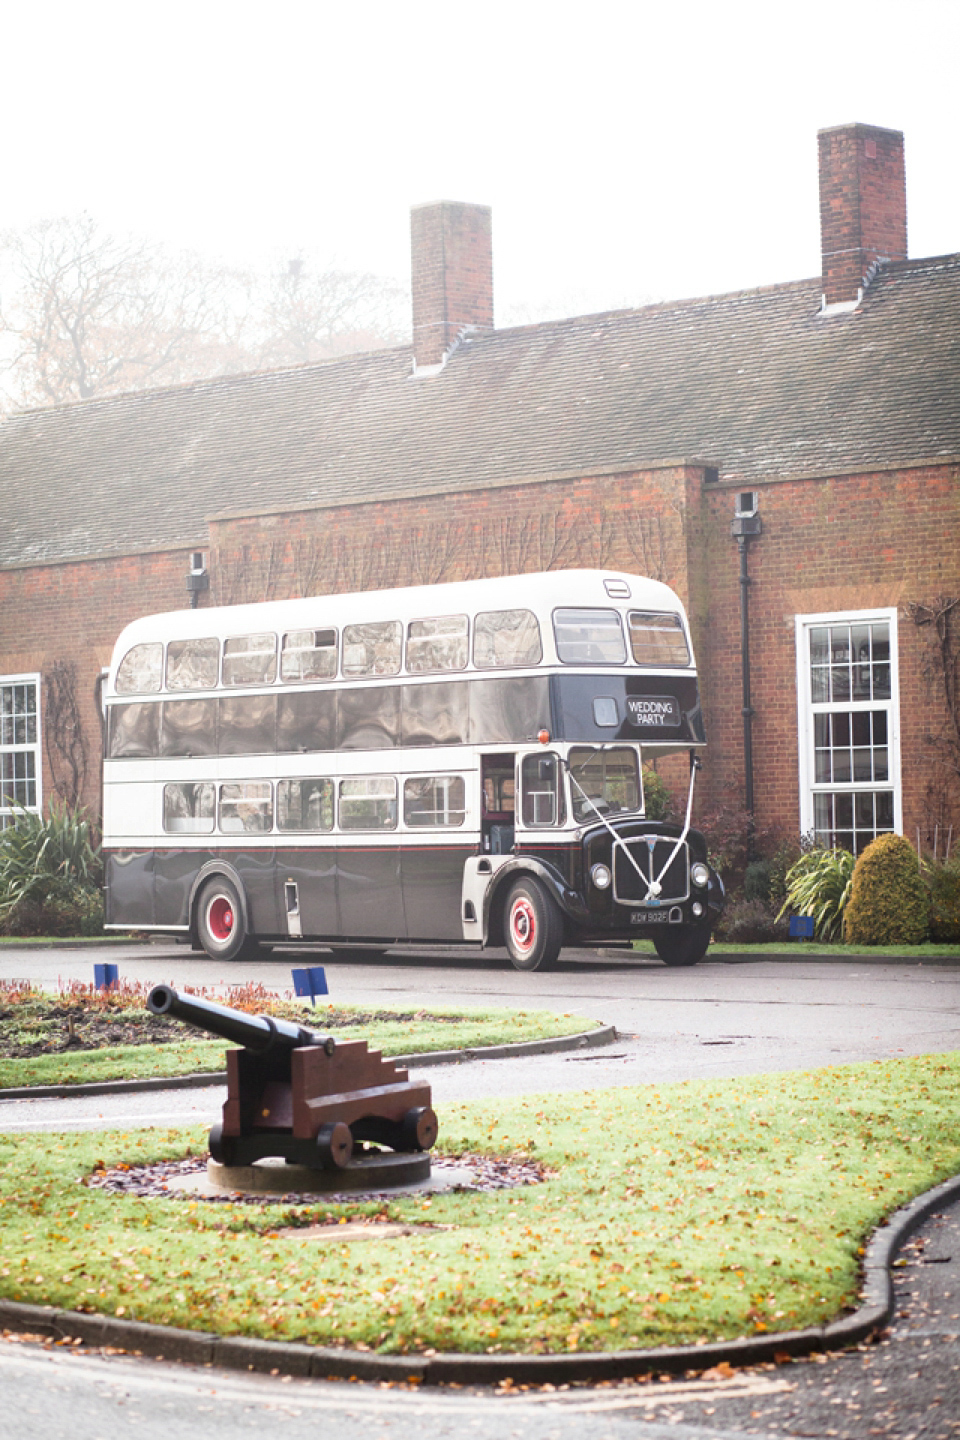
x,y
369,718
248,725
657,639
438,644
133,730
840,683
368,803
437,714
192,664
305,805
539,789
307,721
250,660
506,637
603,780
309,655
188,727
188,809
140,670
372,649
606,711
434,800
589,637
18,714
819,645
18,784
246,808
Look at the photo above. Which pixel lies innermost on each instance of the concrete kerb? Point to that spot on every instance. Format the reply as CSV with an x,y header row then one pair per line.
x,y
277,1358
583,1040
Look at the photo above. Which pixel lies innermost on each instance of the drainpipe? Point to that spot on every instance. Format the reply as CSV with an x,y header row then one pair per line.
x,y
746,523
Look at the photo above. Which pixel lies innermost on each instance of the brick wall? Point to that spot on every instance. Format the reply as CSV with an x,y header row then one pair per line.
x,y
73,613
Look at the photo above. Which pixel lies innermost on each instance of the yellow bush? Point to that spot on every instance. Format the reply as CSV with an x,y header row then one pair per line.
x,y
888,900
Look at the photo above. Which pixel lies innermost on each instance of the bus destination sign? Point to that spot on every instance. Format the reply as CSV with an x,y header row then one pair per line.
x,y
663,710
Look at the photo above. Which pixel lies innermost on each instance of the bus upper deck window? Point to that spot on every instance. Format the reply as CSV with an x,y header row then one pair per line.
x,y
657,638
372,649
589,637
308,655
193,664
506,637
437,644
250,660
140,670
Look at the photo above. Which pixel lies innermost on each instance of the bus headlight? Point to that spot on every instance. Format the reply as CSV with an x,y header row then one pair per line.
x,y
700,873
601,877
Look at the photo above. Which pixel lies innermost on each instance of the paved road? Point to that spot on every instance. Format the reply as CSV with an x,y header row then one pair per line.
x,y
718,1018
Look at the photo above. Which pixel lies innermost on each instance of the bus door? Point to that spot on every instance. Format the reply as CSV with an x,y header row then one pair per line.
x,y
498,791
497,798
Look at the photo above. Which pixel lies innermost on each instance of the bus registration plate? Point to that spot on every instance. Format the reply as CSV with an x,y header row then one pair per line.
x,y
648,917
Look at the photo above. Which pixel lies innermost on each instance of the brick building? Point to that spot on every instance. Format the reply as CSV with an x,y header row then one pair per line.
x,y
819,419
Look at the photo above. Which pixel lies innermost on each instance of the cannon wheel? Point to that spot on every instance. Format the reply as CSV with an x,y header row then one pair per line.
x,y
220,924
334,1145
681,945
419,1128
221,1146
533,926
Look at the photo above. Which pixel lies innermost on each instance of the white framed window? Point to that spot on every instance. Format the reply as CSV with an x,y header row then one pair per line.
x,y
21,769
848,727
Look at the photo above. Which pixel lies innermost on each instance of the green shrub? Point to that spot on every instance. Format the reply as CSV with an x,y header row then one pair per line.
x,y
50,874
657,795
756,881
888,899
942,879
818,885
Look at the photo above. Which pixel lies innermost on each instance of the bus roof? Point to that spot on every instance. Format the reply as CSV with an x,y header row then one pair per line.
x,y
542,592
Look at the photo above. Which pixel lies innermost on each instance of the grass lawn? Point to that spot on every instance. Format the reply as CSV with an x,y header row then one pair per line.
x,y
817,949
669,1214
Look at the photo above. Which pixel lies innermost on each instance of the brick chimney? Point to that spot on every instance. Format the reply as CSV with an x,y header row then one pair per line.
x,y
452,270
863,205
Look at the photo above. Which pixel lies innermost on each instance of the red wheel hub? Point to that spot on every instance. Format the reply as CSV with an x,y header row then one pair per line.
x,y
523,925
220,918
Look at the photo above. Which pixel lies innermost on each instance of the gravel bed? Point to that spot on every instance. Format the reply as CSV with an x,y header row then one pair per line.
x,y
148,1182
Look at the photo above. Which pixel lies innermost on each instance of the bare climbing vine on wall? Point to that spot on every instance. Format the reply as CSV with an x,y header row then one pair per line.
x,y
63,732
940,618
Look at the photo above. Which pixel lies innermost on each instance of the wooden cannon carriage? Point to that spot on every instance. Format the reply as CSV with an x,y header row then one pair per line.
x,y
300,1095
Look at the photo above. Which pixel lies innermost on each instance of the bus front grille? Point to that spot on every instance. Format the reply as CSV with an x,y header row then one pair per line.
x,y
651,853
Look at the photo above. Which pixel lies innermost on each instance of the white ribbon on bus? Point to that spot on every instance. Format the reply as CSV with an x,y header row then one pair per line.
x,y
654,887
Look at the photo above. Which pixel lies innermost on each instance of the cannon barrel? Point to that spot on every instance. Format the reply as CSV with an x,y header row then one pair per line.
x,y
256,1032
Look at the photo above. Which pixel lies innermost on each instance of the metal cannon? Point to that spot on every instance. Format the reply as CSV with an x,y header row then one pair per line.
x,y
300,1095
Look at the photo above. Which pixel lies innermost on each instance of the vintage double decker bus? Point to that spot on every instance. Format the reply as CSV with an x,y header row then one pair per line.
x,y
446,763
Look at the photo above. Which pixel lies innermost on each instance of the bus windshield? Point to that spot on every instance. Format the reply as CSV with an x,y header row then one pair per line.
x,y
606,780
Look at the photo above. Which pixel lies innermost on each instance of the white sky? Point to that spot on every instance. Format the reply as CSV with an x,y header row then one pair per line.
x,y
629,151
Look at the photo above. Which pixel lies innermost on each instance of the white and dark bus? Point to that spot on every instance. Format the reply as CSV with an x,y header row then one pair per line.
x,y
446,763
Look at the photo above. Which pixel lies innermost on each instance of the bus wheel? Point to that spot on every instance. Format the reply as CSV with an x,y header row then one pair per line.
x,y
220,925
533,927
682,945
